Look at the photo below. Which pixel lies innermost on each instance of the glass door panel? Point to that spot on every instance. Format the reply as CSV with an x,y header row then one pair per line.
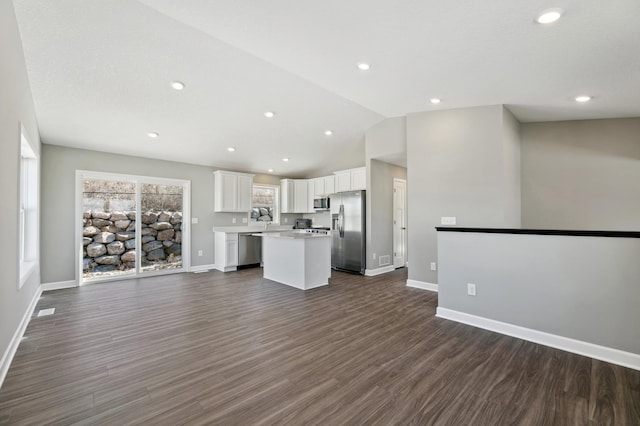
x,y
108,228
161,227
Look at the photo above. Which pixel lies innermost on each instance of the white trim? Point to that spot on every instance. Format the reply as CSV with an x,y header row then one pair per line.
x,y
227,268
423,285
10,352
59,285
202,268
603,353
379,271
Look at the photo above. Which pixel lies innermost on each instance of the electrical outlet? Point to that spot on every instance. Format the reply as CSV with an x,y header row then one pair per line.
x,y
448,220
471,289
374,256
199,252
194,220
233,220
244,220
433,266
286,220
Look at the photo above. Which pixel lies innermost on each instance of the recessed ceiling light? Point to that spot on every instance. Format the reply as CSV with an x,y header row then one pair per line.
x,y
583,98
285,159
549,16
269,114
153,135
178,85
270,170
435,101
328,132
364,67
231,149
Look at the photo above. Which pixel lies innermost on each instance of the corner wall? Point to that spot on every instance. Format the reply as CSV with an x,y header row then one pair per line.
x,y
16,106
459,163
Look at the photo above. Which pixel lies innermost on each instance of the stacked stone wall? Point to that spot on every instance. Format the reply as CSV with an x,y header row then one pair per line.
x,y
109,240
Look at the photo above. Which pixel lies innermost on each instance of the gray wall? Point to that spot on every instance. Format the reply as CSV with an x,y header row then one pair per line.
x,y
385,142
459,163
581,174
380,219
16,106
584,288
59,165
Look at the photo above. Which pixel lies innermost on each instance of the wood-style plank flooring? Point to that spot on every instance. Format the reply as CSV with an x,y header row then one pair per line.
x,y
214,348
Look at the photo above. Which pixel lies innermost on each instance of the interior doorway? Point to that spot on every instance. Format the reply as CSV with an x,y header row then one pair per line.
x,y
399,223
131,226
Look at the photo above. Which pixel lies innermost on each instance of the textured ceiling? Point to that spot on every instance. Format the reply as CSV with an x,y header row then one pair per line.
x,y
100,71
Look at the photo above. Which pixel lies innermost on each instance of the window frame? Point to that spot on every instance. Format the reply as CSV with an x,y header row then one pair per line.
x,y
28,209
276,207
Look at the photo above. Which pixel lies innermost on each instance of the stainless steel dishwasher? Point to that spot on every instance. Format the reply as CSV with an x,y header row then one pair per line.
x,y
249,249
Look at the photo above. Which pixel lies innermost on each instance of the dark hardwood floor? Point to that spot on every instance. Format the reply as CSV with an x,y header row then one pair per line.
x,y
234,348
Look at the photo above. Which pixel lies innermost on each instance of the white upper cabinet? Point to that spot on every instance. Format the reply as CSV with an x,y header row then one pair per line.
x,y
329,184
318,187
301,199
351,180
296,196
343,181
359,178
232,191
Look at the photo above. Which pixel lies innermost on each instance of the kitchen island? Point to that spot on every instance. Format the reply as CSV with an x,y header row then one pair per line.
x,y
300,260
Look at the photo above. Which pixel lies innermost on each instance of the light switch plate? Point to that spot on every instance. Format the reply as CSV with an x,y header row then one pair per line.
x,y
448,220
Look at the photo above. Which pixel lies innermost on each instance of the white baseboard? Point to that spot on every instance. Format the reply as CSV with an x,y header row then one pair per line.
x,y
423,285
59,285
202,268
603,353
8,355
379,271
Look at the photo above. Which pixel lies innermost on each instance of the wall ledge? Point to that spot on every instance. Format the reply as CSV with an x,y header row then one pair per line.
x,y
602,353
8,355
422,285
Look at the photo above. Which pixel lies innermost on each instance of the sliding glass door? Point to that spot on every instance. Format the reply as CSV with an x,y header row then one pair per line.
x,y
131,226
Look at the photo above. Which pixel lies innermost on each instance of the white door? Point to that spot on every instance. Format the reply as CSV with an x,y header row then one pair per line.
x,y
399,223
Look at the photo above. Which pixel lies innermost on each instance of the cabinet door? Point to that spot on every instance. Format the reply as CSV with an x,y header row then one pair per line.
x,y
231,254
300,197
359,179
286,196
318,187
343,181
311,195
329,185
229,189
245,193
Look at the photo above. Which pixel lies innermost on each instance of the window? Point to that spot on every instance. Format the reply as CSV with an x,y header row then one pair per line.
x,y
28,226
264,203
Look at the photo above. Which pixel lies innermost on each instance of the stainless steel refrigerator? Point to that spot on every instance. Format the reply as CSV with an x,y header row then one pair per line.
x,y
348,231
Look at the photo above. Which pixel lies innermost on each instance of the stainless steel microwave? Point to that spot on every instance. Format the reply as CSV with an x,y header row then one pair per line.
x,y
321,203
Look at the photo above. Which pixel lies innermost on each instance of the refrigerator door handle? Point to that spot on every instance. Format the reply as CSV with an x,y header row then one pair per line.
x,y
341,221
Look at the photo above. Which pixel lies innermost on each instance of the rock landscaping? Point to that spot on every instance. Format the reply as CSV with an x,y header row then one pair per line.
x,y
109,241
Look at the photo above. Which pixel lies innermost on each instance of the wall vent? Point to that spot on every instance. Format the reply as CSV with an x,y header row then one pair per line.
x,y
384,260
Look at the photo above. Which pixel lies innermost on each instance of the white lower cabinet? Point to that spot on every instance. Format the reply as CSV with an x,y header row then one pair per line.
x,y
226,251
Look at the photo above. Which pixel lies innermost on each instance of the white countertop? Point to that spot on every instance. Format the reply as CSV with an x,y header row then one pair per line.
x,y
290,235
253,228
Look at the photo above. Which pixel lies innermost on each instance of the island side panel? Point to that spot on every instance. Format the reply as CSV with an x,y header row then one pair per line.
x,y
283,260
318,262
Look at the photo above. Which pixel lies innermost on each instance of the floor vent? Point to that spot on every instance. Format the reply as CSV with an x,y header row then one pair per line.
x,y
385,260
201,272
45,312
